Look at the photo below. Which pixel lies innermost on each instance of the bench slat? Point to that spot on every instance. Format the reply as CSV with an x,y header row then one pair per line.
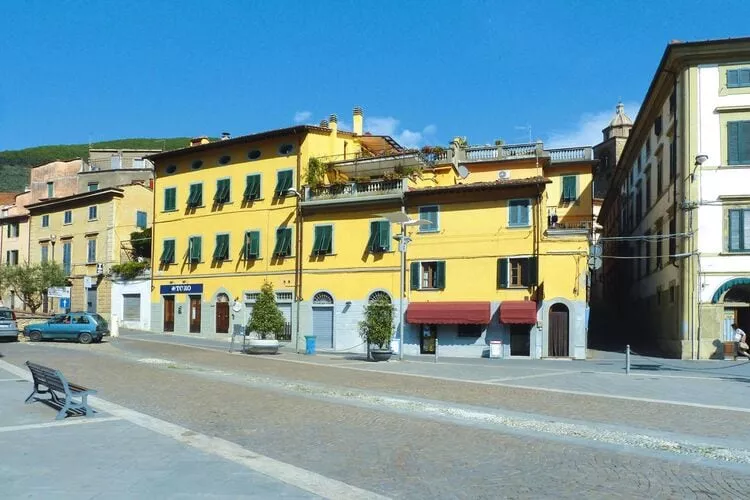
x,y
55,381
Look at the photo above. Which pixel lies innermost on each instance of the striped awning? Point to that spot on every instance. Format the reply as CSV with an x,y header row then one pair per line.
x,y
724,288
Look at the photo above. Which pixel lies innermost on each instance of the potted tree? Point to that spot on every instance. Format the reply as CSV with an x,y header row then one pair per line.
x,y
377,329
266,322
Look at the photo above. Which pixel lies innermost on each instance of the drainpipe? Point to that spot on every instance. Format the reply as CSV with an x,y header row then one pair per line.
x,y
298,239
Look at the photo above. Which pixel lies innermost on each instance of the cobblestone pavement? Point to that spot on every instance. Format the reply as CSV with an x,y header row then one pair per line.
x,y
406,452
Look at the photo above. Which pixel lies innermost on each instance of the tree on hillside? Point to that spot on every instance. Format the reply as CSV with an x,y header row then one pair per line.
x,y
266,319
30,283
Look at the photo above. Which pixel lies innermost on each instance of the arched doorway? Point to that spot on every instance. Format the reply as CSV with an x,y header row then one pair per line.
x,y
379,295
222,313
558,331
322,312
736,306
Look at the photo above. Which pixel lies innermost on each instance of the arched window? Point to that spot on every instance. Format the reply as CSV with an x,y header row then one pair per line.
x,y
171,169
323,298
379,296
222,297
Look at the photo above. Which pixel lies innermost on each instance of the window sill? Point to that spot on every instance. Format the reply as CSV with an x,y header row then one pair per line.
x,y
429,290
169,211
67,223
195,206
730,253
251,200
518,226
433,231
93,220
323,254
222,203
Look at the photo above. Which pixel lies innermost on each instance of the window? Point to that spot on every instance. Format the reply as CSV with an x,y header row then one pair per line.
x,y
286,149
380,237
428,275
516,272
50,190
171,169
673,103
141,219
195,198
170,199
196,164
638,204
379,296
518,213
672,160
68,217
646,261
253,154
429,213
45,253
93,186
221,251
11,257
225,160
570,188
167,253
672,291
194,249
139,163
738,78
223,189
657,126
91,251
252,187
647,151
659,177
283,182
738,146
648,188
470,330
13,230
739,230
252,245
672,239
323,244
92,212
659,242
67,250
283,247
45,220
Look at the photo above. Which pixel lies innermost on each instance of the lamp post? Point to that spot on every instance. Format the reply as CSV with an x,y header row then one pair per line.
x,y
52,240
298,264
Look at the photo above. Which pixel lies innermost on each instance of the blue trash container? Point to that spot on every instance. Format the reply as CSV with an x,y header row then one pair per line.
x,y
310,344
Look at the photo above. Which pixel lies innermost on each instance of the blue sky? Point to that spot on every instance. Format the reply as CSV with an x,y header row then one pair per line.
x,y
79,71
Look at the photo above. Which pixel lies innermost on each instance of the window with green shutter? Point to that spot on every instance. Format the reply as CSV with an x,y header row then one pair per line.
x,y
570,188
252,245
167,253
738,142
429,213
283,182
283,247
518,213
738,78
170,199
502,273
739,230
428,275
221,250
223,188
195,199
517,272
194,246
415,275
252,187
323,243
380,237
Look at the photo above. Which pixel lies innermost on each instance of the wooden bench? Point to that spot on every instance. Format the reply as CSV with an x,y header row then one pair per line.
x,y
56,385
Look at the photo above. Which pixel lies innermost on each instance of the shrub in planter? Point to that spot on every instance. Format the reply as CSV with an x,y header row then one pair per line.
x,y
377,327
266,320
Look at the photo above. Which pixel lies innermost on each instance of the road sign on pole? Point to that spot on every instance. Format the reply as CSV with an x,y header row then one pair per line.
x,y
64,303
595,250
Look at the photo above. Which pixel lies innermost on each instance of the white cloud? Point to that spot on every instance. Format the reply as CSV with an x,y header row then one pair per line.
x,y
588,131
302,116
406,137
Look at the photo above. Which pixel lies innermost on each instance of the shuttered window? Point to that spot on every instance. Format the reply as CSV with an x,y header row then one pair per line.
x,y
221,250
167,253
283,247
518,213
283,182
738,145
91,251
739,230
223,189
738,78
252,245
427,275
195,199
170,199
131,307
323,243
252,187
569,188
517,272
194,246
380,237
429,213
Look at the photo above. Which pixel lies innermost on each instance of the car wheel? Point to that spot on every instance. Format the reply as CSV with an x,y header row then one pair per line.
x,y
35,336
85,338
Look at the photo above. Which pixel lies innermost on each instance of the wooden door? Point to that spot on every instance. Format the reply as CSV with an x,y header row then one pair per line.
x,y
559,336
222,317
427,339
169,313
195,314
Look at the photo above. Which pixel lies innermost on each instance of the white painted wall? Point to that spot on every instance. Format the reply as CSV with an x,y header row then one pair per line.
x,y
142,286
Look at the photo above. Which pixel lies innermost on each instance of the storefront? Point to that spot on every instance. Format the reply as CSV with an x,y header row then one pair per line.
x,y
458,328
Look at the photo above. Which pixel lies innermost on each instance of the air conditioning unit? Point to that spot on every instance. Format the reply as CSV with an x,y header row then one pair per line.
x,y
503,175
100,269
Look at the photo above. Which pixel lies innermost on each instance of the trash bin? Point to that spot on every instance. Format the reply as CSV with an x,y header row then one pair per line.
x,y
496,349
310,344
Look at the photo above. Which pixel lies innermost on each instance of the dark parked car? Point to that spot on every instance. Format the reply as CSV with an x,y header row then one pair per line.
x,y
8,326
81,326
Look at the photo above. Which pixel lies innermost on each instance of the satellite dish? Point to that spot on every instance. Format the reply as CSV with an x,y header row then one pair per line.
x,y
236,307
463,172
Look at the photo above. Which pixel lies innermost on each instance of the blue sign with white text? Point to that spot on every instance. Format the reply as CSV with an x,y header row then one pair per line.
x,y
170,289
64,303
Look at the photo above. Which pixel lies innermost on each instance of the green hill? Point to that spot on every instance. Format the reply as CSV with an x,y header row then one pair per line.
x,y
15,164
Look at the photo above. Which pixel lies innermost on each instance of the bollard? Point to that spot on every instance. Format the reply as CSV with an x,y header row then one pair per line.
x,y
436,350
114,326
627,359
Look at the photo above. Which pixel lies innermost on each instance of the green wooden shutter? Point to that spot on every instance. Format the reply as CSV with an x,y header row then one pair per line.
x,y
733,144
384,235
522,212
735,230
252,245
374,239
743,142
322,243
221,251
416,278
252,187
222,191
170,197
512,214
283,182
327,244
440,274
744,77
733,78
502,273
569,188
529,272
195,249
429,214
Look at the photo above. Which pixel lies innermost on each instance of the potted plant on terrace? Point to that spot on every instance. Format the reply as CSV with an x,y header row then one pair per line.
x,y
377,329
266,322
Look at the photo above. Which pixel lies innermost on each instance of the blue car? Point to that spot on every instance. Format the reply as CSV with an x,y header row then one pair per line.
x,y
80,326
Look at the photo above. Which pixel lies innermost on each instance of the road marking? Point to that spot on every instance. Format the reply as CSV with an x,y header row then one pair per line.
x,y
60,423
304,479
13,380
561,372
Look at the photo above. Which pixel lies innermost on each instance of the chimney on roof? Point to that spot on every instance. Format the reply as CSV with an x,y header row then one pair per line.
x,y
197,141
357,120
225,136
324,123
334,126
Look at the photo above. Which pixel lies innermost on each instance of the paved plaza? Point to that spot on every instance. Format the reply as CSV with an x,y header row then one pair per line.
x,y
180,417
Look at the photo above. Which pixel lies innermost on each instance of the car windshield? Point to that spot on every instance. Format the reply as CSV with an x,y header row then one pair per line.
x,y
6,314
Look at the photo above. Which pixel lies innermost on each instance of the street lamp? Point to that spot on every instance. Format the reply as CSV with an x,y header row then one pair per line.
x,y
298,263
52,240
403,241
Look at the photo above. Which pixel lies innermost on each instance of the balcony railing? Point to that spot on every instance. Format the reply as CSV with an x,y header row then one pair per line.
x,y
570,223
503,152
351,190
571,154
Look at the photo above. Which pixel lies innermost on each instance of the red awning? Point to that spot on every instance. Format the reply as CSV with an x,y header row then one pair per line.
x,y
448,313
518,312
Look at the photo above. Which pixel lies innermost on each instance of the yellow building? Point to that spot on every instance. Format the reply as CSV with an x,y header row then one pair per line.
x,y
84,233
509,240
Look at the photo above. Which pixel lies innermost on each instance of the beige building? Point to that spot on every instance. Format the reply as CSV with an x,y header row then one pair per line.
x,y
14,240
85,234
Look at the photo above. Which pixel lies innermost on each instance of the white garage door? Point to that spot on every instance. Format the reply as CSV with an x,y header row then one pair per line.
x,y
131,307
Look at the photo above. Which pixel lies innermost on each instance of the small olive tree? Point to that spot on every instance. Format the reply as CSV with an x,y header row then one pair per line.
x,y
267,320
377,327
30,282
